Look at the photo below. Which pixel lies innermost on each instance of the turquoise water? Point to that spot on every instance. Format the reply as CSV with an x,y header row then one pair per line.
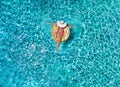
x,y
90,58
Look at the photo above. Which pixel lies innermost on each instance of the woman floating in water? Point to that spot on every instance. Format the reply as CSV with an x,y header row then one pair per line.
x,y
60,32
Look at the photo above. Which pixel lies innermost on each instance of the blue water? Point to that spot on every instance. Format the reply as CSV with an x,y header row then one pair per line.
x,y
90,58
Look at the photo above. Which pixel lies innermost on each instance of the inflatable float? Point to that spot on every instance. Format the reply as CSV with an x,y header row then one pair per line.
x,y
66,33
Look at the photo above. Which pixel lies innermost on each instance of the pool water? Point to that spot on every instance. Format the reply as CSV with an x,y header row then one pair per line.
x,y
89,58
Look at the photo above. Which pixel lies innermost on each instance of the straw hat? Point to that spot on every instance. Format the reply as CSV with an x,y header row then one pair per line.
x,y
61,24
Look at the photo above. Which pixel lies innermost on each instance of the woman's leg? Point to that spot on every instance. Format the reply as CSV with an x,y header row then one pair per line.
x,y
58,44
59,38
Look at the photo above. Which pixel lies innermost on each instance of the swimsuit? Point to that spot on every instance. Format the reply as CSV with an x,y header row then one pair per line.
x,y
61,32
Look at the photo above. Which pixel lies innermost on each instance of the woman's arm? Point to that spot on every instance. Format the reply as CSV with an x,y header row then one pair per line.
x,y
50,23
71,26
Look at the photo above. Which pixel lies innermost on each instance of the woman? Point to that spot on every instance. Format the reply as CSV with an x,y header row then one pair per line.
x,y
60,33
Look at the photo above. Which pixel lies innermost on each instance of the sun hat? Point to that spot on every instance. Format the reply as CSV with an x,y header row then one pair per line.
x,y
61,24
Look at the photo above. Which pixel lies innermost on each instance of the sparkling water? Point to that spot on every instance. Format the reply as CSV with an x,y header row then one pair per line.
x,y
89,58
